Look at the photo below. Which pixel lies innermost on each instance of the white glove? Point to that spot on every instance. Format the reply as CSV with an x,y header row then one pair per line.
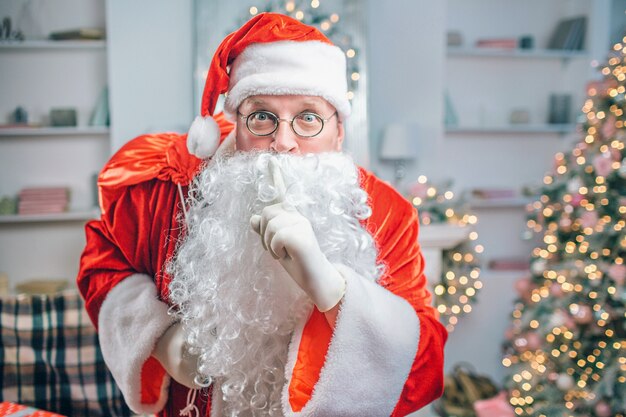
x,y
170,351
290,239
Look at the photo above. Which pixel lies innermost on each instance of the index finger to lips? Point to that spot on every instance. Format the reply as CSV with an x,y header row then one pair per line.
x,y
277,179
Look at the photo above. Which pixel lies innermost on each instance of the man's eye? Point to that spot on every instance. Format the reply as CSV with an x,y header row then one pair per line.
x,y
261,116
308,117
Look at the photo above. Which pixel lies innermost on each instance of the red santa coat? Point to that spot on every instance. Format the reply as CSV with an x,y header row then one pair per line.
x,y
384,356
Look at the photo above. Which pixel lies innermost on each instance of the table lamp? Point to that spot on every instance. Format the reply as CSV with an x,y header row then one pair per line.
x,y
399,146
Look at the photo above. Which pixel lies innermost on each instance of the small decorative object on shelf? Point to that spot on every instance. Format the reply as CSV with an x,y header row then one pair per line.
x,y
44,286
63,117
100,115
78,34
499,43
559,109
526,42
7,33
519,117
43,200
454,38
494,193
8,205
509,264
19,116
451,119
569,34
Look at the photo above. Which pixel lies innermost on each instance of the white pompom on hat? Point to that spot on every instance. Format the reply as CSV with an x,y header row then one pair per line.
x,y
272,54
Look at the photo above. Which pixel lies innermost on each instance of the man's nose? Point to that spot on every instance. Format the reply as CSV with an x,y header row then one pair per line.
x,y
285,139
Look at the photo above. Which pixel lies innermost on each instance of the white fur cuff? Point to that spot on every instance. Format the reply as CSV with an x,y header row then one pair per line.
x,y
370,355
131,320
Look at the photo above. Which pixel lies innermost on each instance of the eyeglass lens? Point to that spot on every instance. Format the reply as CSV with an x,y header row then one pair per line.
x,y
264,123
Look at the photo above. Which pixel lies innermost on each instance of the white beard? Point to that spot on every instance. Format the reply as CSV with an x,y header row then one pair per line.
x,y
237,304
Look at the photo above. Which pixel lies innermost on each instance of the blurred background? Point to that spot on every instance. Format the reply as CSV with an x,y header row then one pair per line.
x,y
464,105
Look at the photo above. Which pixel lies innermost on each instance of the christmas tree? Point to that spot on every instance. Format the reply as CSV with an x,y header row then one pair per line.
x,y
566,349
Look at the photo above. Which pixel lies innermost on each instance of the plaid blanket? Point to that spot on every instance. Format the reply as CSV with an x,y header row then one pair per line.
x,y
50,357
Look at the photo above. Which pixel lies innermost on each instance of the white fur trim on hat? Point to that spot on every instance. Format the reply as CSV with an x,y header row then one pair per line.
x,y
289,68
203,137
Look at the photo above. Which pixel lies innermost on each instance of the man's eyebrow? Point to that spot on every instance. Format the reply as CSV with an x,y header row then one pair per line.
x,y
256,101
312,102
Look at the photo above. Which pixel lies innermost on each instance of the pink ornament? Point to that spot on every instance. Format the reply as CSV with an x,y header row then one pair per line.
x,y
565,222
521,344
534,341
602,409
617,272
589,218
524,288
608,127
582,314
419,190
556,290
508,333
561,318
616,154
569,322
576,199
497,406
602,165
565,382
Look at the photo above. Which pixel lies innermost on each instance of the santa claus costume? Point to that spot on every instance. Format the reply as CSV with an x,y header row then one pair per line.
x,y
384,355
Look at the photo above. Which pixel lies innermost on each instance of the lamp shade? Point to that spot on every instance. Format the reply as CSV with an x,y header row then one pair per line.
x,y
398,143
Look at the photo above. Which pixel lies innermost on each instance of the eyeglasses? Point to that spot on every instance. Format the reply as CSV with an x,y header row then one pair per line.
x,y
264,123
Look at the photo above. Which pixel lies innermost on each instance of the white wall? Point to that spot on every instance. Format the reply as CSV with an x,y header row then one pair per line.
x,y
150,67
405,75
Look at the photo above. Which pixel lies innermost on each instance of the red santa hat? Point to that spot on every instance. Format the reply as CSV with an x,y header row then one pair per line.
x,y
272,54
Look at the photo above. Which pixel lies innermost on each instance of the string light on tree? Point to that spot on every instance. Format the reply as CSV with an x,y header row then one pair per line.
x,y
456,291
566,346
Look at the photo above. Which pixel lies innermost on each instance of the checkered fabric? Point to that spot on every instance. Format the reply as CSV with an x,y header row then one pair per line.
x,y
50,357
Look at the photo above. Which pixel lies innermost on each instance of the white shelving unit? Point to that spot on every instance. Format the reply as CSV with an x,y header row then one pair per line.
x,y
40,75
457,51
52,45
485,85
513,129
497,203
70,216
54,131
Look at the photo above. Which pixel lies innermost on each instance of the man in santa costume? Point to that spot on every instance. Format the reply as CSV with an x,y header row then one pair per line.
x,y
250,268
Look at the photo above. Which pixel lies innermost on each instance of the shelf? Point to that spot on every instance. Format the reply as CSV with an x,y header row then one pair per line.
x,y
70,216
508,129
442,236
55,45
515,53
514,274
54,131
497,203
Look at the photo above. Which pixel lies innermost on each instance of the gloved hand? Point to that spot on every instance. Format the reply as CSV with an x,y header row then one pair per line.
x,y
171,353
289,238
